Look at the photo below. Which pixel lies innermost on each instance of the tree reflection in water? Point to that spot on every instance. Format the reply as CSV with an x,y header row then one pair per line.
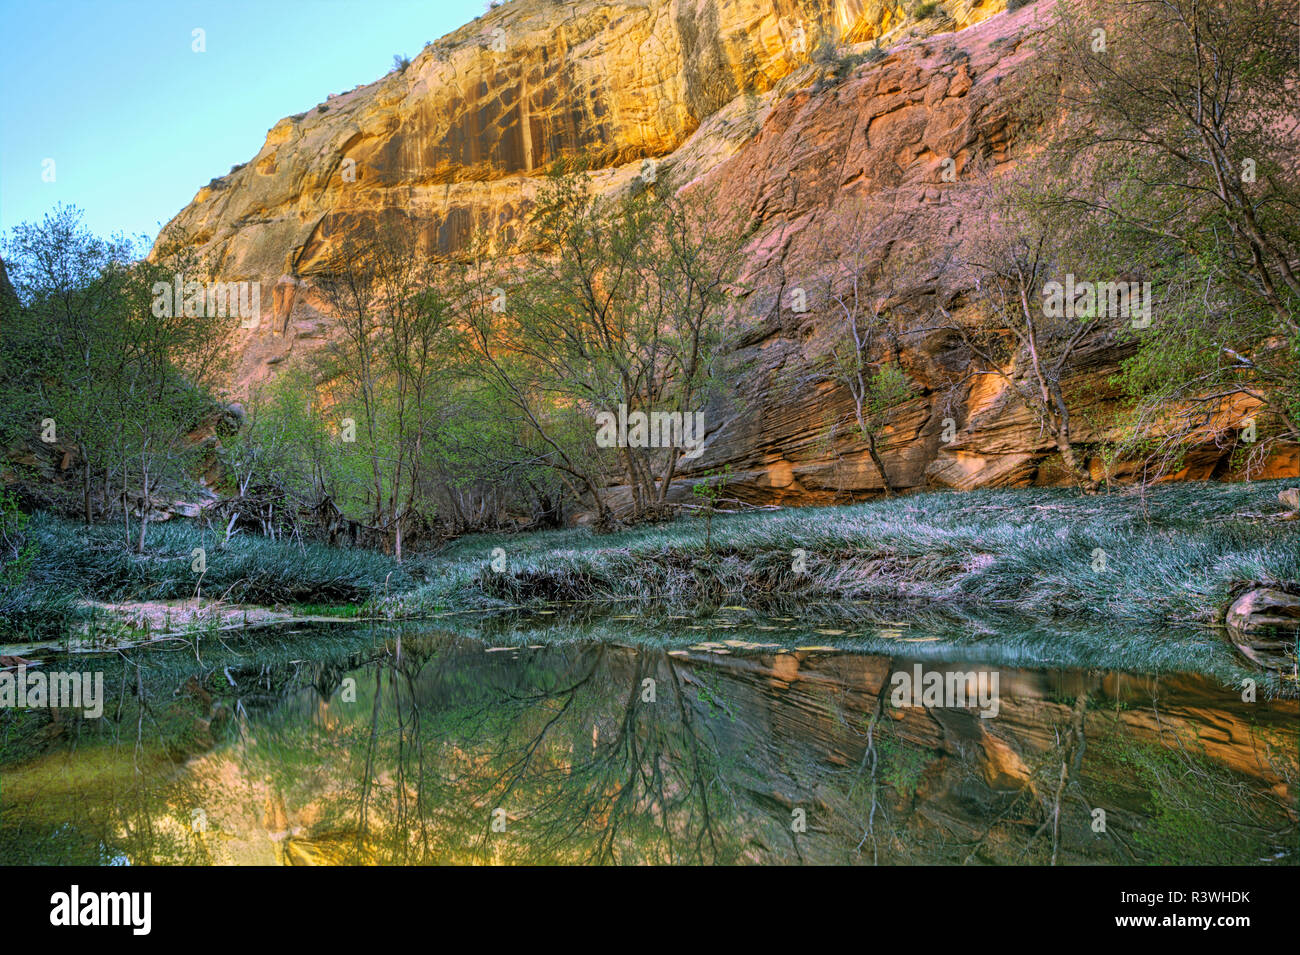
x,y
439,748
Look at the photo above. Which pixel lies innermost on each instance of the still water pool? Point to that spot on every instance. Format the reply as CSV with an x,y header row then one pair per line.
x,y
736,739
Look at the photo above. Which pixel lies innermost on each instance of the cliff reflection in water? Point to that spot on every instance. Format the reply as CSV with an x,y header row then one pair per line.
x,y
443,749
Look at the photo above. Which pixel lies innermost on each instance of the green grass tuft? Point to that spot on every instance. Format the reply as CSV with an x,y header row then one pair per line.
x,y
1173,557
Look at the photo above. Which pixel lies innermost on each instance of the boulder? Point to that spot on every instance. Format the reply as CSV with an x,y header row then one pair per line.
x,y
1290,498
1263,624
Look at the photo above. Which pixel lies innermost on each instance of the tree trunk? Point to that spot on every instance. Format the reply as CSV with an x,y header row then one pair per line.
x,y
144,509
85,486
1072,462
880,465
1061,423
453,495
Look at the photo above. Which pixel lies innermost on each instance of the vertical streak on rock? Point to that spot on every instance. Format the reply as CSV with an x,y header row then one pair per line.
x,y
525,123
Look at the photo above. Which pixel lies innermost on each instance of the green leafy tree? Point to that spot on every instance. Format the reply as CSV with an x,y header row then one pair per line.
x,y
620,305
101,364
710,491
63,339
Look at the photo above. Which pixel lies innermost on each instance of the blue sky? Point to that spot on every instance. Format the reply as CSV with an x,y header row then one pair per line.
x,y
136,121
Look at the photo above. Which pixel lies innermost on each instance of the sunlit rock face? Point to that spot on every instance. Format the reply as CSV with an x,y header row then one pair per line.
x,y
456,138
721,93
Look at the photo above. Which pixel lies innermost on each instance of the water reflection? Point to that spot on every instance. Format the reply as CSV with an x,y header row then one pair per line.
x,y
441,748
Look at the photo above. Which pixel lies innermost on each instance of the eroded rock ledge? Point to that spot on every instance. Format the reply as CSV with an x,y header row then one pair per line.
x,y
723,93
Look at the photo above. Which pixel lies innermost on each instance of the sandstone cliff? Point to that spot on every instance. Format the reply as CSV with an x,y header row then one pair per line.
x,y
728,93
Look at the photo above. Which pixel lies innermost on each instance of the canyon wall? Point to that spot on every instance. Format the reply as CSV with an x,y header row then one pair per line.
x,y
730,95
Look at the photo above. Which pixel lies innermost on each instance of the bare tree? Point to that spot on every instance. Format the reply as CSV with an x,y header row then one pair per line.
x,y
1173,143
857,293
1009,331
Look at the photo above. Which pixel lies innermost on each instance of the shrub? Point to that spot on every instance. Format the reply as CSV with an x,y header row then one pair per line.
x,y
826,53
17,550
95,563
28,608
